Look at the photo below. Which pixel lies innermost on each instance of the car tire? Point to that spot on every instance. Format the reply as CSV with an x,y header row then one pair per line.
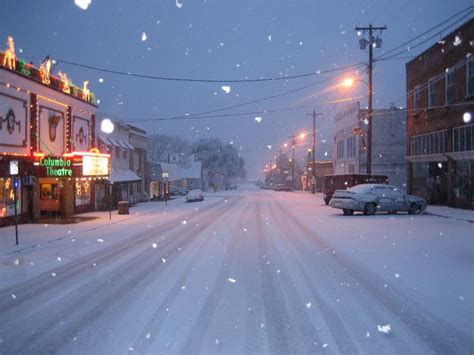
x,y
347,212
370,209
326,201
414,209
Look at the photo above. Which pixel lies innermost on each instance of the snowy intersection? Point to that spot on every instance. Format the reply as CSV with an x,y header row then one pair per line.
x,y
246,271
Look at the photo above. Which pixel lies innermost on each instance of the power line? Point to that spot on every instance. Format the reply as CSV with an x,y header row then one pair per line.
x,y
424,41
469,8
242,113
166,78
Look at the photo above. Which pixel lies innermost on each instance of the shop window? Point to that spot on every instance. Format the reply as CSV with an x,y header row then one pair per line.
x,y
431,93
49,191
449,86
470,77
462,138
7,198
416,97
82,192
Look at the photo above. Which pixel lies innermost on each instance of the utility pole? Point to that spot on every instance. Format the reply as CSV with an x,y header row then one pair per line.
x,y
373,43
293,143
313,163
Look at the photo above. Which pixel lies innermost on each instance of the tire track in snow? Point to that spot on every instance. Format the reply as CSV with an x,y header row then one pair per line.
x,y
207,312
45,283
435,332
159,317
79,311
279,299
342,338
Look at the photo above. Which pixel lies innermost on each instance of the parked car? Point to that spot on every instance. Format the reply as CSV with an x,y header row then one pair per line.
x,y
372,198
283,187
194,195
332,183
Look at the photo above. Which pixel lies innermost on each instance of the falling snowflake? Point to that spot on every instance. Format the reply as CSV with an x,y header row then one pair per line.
x,y
226,89
278,271
457,41
83,4
144,37
269,37
301,43
163,260
262,325
269,146
258,119
325,345
17,262
232,280
101,80
308,305
100,240
184,222
397,275
13,296
217,341
59,258
367,334
179,5
384,328
53,274
154,245
148,335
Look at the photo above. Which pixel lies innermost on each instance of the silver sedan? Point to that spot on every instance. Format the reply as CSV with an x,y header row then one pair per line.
x,y
371,198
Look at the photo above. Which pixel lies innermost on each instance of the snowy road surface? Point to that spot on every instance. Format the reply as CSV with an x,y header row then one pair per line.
x,y
243,272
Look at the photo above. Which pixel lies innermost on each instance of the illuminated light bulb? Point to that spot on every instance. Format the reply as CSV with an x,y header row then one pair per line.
x,y
467,117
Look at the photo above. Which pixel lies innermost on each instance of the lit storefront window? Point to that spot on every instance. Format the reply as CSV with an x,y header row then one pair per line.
x,y
83,192
7,201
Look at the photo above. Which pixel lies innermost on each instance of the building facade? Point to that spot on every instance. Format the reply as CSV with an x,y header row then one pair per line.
x,y
388,143
127,162
46,126
440,101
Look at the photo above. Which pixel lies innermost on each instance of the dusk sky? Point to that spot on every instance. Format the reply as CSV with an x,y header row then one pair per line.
x,y
225,40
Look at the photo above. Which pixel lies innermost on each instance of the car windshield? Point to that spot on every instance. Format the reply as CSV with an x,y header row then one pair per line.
x,y
361,188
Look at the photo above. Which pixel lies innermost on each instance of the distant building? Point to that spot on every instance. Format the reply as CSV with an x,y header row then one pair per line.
x,y
127,171
440,101
388,143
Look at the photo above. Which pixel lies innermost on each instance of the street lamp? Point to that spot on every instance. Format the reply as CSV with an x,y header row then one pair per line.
x,y
292,160
107,126
349,82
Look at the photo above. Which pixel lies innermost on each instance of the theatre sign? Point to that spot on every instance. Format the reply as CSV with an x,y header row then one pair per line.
x,y
74,165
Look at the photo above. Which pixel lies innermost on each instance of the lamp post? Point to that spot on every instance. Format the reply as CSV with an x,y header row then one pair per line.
x,y
293,144
349,82
107,126
313,163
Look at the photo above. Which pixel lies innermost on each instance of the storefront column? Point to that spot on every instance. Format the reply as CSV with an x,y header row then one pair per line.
x,y
67,197
35,202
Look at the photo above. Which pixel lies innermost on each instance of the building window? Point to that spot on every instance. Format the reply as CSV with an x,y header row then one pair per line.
x,y
340,149
117,152
83,192
49,191
416,97
351,147
125,154
449,86
470,77
7,200
431,93
432,143
463,138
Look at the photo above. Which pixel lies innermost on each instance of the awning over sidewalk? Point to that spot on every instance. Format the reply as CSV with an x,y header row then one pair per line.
x,y
115,142
122,175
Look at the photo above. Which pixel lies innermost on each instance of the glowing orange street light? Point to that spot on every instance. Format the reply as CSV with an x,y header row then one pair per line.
x,y
302,135
348,82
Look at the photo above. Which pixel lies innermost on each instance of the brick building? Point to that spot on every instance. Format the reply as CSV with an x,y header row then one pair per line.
x,y
388,143
440,99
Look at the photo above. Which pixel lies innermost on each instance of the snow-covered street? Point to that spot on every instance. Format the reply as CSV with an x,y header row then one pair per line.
x,y
245,271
